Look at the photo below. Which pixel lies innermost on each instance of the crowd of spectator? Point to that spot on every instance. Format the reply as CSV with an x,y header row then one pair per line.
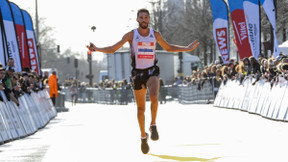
x,y
123,84
15,84
261,68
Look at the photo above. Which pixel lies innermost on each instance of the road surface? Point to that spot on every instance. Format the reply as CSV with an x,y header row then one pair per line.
x,y
110,133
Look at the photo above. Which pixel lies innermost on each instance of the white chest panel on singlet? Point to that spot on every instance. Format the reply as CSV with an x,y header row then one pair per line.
x,y
143,49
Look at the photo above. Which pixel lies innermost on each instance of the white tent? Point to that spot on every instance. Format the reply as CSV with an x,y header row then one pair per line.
x,y
284,47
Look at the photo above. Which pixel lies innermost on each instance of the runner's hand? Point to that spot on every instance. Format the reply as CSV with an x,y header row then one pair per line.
x,y
193,45
91,47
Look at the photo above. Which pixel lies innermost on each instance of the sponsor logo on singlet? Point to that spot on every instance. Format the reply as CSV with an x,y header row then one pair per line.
x,y
145,50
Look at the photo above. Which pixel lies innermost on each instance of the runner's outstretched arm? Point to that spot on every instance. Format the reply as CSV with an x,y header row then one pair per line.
x,y
113,48
174,48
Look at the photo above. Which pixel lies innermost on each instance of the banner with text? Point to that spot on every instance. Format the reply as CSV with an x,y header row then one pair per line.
x,y
21,35
221,28
252,13
269,8
240,28
10,34
32,44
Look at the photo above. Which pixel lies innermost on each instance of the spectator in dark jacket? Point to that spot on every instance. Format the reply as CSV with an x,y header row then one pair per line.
x,y
247,65
2,75
255,66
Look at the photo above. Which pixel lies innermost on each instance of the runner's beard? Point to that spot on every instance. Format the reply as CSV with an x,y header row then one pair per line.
x,y
143,25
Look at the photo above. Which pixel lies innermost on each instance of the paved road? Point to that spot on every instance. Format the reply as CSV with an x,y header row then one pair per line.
x,y
109,133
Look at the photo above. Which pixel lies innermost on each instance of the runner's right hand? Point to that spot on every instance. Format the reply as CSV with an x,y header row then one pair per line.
x,y
91,47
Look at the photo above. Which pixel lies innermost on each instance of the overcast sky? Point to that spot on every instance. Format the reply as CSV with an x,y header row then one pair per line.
x,y
72,20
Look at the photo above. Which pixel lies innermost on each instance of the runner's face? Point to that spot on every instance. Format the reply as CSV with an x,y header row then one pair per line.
x,y
143,20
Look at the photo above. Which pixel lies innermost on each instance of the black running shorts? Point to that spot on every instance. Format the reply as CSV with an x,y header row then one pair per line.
x,y
140,77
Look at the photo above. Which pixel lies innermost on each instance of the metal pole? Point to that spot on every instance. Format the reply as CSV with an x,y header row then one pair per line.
x,y
76,73
90,73
93,28
37,33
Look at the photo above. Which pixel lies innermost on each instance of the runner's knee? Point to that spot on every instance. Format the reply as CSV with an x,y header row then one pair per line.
x,y
153,97
141,110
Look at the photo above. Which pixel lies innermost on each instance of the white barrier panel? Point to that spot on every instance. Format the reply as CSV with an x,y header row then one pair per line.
x,y
258,89
222,93
230,98
266,88
30,114
248,91
11,121
279,98
18,124
282,113
25,117
34,112
253,95
5,126
259,98
239,93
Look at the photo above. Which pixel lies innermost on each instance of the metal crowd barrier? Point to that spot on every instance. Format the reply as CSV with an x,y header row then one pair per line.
x,y
184,94
34,112
192,94
257,98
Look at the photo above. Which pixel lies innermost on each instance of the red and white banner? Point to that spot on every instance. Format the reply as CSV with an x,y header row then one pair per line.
x,y
240,28
221,28
31,41
21,35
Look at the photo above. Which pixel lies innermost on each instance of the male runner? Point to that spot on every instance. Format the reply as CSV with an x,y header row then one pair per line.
x,y
145,72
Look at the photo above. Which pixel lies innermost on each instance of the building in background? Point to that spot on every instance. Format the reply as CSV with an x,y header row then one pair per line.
x,y
119,65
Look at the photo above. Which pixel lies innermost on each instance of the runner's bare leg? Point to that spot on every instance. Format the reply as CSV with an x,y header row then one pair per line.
x,y
153,85
140,97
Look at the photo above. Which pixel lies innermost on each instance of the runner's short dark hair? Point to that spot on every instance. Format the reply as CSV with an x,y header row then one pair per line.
x,y
142,10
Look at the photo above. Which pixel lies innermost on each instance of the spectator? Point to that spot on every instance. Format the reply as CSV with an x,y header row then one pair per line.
x,y
232,67
74,91
217,81
8,78
2,75
285,60
247,65
8,85
52,82
213,69
226,73
177,81
17,90
272,70
10,63
25,84
264,66
82,91
255,66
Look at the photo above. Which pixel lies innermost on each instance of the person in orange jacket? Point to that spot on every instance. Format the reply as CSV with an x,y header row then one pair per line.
x,y
52,82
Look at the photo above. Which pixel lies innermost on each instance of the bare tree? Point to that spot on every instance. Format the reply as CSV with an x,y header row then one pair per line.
x,y
63,62
282,18
182,25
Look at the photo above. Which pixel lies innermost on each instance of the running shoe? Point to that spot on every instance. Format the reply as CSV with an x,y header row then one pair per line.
x,y
144,145
154,133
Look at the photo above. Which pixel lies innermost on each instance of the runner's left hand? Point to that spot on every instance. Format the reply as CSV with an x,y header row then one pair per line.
x,y
193,45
